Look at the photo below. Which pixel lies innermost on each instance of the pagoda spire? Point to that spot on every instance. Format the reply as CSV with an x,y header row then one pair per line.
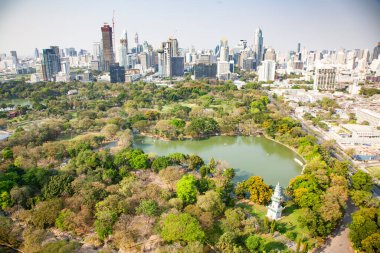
x,y
275,208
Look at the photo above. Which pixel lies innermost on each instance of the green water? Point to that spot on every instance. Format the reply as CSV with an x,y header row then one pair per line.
x,y
248,155
16,101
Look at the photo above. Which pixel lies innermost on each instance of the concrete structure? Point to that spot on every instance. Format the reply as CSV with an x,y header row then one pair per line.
x,y
275,209
359,135
168,50
372,117
258,45
376,52
123,50
51,63
205,71
325,78
267,70
108,56
177,66
117,73
270,54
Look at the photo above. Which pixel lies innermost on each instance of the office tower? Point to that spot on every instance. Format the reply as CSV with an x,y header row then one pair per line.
x,y
341,57
224,70
376,52
365,55
144,61
258,45
267,70
14,57
36,53
123,51
205,71
224,50
108,57
168,51
177,66
136,39
51,63
299,47
174,43
270,54
65,67
324,78
96,51
117,73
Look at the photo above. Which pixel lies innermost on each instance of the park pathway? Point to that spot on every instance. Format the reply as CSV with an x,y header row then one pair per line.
x,y
339,242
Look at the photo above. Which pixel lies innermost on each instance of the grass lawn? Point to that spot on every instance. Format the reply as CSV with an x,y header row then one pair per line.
x,y
374,171
289,222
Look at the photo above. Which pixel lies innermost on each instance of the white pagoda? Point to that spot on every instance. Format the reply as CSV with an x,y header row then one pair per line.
x,y
275,208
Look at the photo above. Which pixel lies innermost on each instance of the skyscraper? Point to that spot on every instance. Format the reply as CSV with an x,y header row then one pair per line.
x,y
14,57
224,50
51,63
376,52
168,51
267,70
123,50
108,57
117,73
258,45
36,53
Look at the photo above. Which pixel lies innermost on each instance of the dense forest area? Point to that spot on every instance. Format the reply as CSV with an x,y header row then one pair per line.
x,y
62,191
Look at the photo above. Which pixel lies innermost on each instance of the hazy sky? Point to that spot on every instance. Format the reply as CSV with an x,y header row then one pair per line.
x,y
317,24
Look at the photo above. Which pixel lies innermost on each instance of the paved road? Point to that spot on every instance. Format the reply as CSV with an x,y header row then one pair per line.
x,y
339,242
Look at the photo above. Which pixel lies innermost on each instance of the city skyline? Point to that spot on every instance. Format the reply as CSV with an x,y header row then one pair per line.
x,y
199,24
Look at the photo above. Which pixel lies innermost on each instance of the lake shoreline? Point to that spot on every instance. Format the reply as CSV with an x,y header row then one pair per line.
x,y
232,135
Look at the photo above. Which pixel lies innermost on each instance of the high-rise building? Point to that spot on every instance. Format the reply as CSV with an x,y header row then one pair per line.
x,y
324,78
108,56
270,54
267,70
51,63
166,53
258,45
299,47
96,51
36,53
117,73
14,57
205,71
123,50
177,66
224,50
376,52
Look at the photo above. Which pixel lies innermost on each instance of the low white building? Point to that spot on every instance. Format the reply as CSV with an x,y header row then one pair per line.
x,y
372,117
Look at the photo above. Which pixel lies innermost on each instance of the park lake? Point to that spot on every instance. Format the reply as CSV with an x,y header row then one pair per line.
x,y
246,154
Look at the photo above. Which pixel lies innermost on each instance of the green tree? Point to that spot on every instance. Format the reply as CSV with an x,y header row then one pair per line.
x,y
371,244
364,224
57,186
45,213
181,227
160,163
195,162
362,181
186,189
65,220
147,207
7,153
259,191
255,243
233,221
211,202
